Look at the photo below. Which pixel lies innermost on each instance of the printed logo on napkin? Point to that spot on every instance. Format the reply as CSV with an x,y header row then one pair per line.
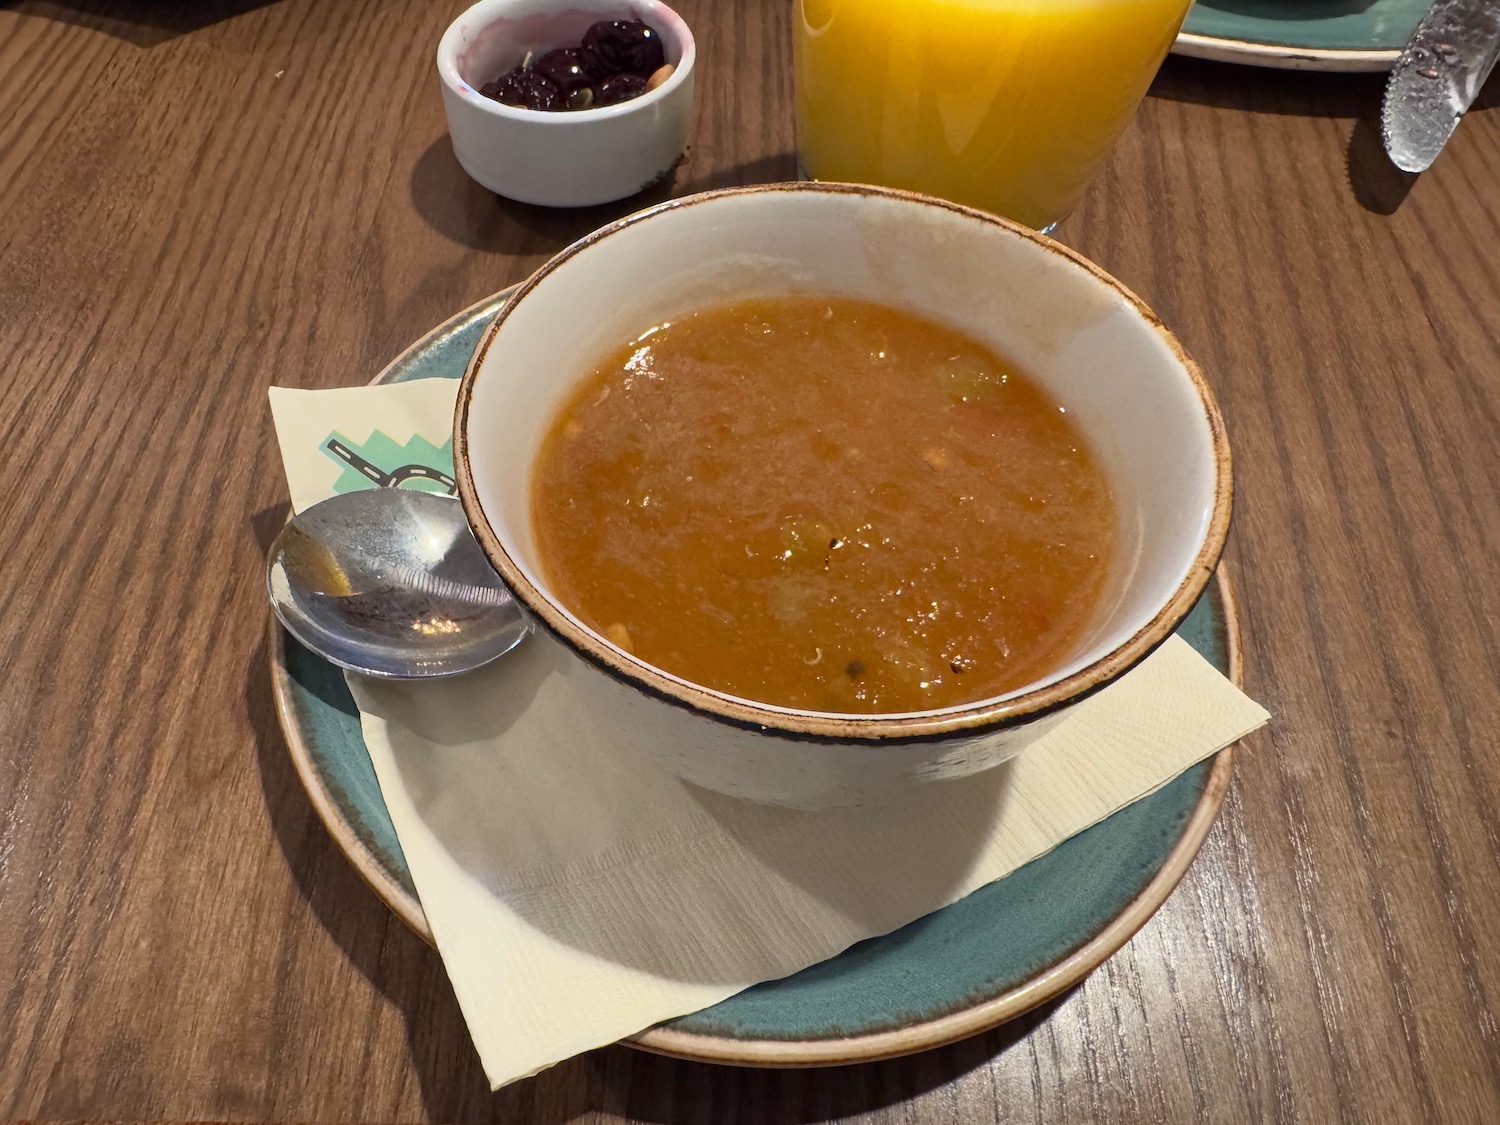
x,y
399,435
383,463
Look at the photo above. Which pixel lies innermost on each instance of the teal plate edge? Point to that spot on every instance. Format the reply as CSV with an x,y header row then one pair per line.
x,y
1348,35
1004,949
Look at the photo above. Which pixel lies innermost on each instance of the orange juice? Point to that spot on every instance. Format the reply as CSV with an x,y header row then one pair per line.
x,y
1006,105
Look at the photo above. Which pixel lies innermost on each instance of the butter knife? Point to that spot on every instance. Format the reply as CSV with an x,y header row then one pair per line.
x,y
1437,78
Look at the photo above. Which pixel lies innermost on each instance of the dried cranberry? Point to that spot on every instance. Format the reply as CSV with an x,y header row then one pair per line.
x,y
619,88
526,89
569,68
625,46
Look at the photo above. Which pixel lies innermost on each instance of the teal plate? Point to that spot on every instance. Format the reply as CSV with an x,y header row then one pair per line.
x,y
1002,950
1301,34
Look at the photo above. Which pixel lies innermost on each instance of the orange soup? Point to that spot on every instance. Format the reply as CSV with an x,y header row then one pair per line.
x,y
824,504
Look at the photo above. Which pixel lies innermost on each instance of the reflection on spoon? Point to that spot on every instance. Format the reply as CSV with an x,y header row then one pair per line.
x,y
391,583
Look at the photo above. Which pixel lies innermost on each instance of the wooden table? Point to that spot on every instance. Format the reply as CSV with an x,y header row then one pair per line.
x,y
198,200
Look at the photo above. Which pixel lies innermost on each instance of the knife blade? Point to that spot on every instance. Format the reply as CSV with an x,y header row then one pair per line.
x,y
1437,78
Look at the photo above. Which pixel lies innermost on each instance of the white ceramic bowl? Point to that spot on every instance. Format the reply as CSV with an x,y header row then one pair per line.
x,y
567,158
1089,341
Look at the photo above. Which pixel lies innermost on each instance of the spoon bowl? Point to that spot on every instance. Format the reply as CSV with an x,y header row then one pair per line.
x,y
391,583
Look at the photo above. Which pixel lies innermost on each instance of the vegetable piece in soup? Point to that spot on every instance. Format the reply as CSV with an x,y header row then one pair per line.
x,y
824,504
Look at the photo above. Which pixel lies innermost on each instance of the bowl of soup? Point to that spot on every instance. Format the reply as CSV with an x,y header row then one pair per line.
x,y
833,491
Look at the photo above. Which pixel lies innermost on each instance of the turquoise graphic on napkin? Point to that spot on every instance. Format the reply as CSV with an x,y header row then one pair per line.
x,y
380,462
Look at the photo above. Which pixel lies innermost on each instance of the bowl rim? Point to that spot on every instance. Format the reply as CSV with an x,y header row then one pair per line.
x,y
980,717
447,65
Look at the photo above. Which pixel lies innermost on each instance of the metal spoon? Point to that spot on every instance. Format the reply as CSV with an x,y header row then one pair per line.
x,y
391,583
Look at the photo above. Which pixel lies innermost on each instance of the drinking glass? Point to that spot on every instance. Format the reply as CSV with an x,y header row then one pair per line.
x,y
1006,105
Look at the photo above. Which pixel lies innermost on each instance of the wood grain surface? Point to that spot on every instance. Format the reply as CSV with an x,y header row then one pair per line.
x,y
200,199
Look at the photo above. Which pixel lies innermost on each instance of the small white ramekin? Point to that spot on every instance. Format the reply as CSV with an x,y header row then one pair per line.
x,y
572,158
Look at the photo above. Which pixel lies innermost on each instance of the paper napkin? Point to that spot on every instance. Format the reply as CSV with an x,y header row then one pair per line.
x,y
577,894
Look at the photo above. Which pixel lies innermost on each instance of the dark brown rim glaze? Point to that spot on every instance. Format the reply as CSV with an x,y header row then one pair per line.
x,y
1281,56
810,726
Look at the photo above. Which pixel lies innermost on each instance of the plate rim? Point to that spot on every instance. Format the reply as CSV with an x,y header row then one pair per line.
x,y
779,1053
1284,56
